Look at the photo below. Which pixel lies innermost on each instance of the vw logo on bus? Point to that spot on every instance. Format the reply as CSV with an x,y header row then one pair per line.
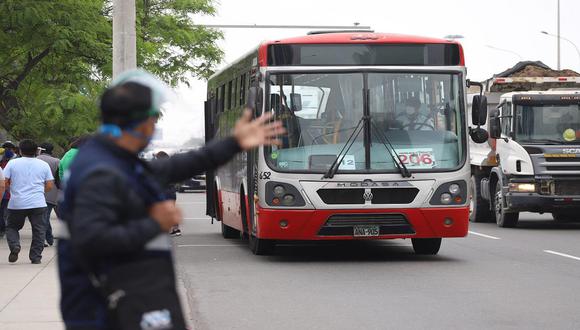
x,y
368,196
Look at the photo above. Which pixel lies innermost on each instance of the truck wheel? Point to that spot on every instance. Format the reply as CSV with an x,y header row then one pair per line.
x,y
426,246
565,216
503,218
229,232
260,246
479,210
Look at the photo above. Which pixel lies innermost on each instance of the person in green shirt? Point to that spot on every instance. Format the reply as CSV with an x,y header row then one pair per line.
x,y
69,156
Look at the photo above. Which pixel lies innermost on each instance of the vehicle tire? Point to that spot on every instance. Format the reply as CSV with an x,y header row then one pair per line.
x,y
229,232
260,246
426,246
180,190
502,218
479,210
565,217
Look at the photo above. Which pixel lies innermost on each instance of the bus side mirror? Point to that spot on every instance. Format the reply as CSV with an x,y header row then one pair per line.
x,y
479,110
478,135
494,124
296,102
255,100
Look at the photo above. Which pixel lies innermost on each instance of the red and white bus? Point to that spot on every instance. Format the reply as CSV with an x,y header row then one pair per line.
x,y
376,145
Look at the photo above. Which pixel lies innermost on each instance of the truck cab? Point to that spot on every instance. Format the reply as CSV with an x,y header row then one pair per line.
x,y
533,162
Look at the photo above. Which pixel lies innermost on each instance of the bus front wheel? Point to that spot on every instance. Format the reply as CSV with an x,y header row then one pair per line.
x,y
426,246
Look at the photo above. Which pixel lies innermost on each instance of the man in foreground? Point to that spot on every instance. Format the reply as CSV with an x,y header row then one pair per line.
x,y
119,217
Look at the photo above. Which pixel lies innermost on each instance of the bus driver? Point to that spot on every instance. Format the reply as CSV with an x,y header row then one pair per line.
x,y
413,119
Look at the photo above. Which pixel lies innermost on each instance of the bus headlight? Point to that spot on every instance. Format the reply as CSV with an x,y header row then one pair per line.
x,y
279,190
454,189
446,198
288,200
522,187
282,194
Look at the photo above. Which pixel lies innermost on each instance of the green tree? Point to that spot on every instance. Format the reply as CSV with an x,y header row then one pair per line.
x,y
56,58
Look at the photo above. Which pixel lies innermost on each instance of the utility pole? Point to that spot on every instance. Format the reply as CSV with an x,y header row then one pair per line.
x,y
124,36
558,20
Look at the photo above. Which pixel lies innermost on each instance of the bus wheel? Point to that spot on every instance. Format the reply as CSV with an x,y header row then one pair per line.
x,y
479,210
229,232
503,218
261,246
426,246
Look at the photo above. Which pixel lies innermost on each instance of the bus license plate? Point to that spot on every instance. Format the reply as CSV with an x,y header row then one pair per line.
x,y
366,231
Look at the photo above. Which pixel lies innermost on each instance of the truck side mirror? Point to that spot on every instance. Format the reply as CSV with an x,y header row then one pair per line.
x,y
494,124
255,100
479,110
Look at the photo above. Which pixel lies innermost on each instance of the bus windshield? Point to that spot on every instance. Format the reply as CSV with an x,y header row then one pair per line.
x,y
546,124
419,114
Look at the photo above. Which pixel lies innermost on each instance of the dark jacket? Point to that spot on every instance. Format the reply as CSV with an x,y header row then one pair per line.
x,y
106,203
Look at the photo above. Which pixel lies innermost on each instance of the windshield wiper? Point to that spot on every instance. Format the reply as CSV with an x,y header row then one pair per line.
x,y
338,160
391,150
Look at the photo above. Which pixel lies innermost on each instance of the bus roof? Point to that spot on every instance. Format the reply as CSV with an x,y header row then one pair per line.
x,y
353,38
358,37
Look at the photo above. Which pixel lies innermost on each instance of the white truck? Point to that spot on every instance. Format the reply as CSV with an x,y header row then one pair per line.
x,y
531,161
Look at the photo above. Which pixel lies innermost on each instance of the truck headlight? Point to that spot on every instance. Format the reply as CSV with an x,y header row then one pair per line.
x,y
522,187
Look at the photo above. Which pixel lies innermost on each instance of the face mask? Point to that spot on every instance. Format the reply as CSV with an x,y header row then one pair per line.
x,y
8,153
410,111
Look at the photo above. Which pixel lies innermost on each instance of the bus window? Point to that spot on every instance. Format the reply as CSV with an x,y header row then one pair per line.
x,y
221,98
242,89
229,96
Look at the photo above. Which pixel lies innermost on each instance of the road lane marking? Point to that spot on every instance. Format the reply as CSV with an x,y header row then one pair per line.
x,y
209,245
562,254
483,235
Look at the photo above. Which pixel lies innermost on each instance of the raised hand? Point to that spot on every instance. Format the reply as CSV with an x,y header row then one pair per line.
x,y
253,133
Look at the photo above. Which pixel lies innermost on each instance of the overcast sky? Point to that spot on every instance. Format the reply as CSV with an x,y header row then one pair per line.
x,y
512,25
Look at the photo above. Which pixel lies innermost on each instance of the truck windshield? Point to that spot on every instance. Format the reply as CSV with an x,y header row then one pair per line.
x,y
419,113
545,124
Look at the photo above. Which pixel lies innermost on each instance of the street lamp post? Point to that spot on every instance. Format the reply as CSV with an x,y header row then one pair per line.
x,y
563,38
505,50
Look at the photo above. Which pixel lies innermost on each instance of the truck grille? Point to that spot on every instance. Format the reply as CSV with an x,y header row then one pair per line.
x,y
567,188
343,224
555,165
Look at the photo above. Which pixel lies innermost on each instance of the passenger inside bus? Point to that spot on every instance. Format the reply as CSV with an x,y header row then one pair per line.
x,y
283,113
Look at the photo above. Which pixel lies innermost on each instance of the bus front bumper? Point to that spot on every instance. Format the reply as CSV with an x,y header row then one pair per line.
x,y
340,224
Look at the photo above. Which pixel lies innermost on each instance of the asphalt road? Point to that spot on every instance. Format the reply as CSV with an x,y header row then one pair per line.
x,y
496,278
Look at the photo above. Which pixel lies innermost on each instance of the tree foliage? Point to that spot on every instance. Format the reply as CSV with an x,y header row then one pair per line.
x,y
56,55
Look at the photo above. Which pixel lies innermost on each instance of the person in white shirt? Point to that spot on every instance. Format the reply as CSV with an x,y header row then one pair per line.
x,y
27,178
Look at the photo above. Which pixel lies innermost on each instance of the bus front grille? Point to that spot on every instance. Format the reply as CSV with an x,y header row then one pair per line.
x,y
354,196
343,224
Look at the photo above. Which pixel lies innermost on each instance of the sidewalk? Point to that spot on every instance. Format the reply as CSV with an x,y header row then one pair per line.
x,y
29,294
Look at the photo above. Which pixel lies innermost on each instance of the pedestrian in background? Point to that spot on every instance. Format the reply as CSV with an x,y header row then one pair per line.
x,y
69,156
170,193
28,179
51,196
7,155
116,270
